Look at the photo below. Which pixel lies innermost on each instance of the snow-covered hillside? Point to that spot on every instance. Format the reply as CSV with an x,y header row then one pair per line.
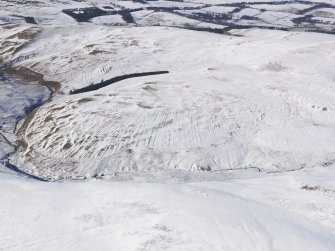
x,y
263,100
285,212
232,148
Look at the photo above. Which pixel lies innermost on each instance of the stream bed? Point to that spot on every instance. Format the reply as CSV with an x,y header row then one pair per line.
x,y
18,98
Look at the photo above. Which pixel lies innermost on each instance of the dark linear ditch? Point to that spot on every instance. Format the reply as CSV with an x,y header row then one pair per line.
x,y
102,84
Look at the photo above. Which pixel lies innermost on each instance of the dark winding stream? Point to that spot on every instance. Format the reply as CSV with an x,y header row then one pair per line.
x,y
18,98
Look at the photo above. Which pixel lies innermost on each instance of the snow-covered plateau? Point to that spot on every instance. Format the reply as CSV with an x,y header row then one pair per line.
x,y
167,125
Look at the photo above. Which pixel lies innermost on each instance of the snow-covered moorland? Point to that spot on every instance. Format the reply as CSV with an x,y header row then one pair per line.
x,y
260,100
232,148
293,211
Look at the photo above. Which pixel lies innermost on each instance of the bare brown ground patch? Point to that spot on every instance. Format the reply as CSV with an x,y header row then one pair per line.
x,y
64,117
95,52
13,43
9,26
27,34
57,108
20,142
31,75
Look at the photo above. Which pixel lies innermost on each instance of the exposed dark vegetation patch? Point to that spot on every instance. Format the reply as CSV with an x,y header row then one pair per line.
x,y
310,188
129,151
304,23
85,14
67,146
127,16
102,84
107,7
140,1
149,88
213,30
143,105
85,100
47,119
57,108
96,52
318,188
65,116
30,20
